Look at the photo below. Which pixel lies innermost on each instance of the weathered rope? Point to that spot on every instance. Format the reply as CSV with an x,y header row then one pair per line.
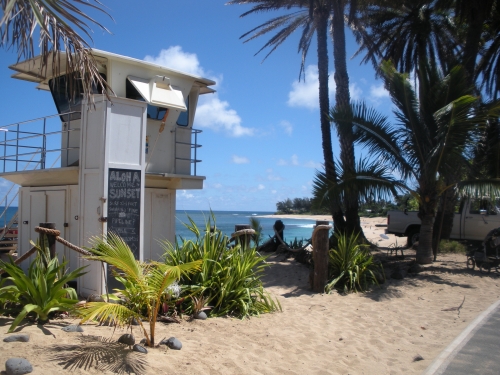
x,y
73,247
50,232
242,232
56,234
23,257
286,246
315,232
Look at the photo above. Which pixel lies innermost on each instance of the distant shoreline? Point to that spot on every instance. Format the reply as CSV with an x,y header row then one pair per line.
x,y
297,216
312,217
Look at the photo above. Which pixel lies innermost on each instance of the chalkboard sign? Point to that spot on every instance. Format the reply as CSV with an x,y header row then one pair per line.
x,y
124,206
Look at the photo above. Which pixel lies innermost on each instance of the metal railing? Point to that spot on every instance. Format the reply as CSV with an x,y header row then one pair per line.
x,y
45,140
38,140
193,146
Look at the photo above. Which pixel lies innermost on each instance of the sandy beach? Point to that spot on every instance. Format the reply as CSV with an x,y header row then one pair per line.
x,y
396,328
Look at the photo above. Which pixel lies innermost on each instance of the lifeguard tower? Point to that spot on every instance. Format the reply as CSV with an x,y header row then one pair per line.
x,y
109,165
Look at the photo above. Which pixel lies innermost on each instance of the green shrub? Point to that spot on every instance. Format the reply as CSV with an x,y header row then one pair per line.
x,y
229,280
447,246
351,266
43,290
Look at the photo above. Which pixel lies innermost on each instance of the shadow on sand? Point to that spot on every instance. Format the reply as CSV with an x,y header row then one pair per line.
x,y
287,274
97,352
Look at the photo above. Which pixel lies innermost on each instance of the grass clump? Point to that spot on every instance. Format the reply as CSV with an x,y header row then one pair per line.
x,y
230,276
351,266
451,247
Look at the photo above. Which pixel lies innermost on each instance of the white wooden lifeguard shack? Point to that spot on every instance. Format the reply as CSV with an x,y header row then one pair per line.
x,y
119,169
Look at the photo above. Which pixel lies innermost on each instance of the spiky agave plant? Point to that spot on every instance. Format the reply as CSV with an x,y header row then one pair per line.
x,y
145,286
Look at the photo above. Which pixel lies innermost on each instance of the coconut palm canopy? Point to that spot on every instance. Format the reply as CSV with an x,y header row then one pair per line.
x,y
59,24
436,125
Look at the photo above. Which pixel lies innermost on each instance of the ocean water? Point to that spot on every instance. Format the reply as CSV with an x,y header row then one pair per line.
x,y
226,221
6,215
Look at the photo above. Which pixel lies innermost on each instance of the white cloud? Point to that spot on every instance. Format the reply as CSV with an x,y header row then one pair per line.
x,y
212,112
240,159
215,114
217,186
313,164
175,58
287,127
274,191
355,92
185,194
294,161
378,92
271,176
306,93
261,187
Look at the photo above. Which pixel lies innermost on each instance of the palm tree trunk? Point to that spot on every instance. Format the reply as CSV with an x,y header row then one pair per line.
x,y
342,101
427,215
424,251
324,104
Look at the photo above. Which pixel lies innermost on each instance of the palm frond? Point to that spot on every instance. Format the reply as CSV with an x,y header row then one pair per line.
x,y
112,249
111,313
479,188
59,22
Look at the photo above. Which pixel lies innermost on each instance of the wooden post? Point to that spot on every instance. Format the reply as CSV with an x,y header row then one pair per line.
x,y
321,246
50,238
245,241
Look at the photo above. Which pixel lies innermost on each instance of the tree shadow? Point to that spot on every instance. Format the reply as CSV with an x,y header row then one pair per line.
x,y
287,274
99,353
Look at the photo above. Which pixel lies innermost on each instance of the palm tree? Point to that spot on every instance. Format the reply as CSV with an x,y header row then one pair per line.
x,y
372,180
312,17
445,31
406,33
145,286
489,64
59,21
436,125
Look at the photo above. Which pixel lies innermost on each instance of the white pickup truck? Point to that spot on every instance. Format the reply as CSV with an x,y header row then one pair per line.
x,y
474,218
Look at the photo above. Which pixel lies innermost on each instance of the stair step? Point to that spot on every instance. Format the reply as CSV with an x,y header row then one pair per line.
x,y
10,235
8,242
7,249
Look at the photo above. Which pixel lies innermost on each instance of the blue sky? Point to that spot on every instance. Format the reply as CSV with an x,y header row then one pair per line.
x,y
261,134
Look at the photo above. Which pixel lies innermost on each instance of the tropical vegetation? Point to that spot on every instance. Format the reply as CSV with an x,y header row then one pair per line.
x,y
447,32
320,18
40,292
146,286
59,23
230,276
435,128
351,266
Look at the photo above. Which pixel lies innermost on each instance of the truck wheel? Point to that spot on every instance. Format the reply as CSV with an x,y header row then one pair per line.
x,y
413,236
